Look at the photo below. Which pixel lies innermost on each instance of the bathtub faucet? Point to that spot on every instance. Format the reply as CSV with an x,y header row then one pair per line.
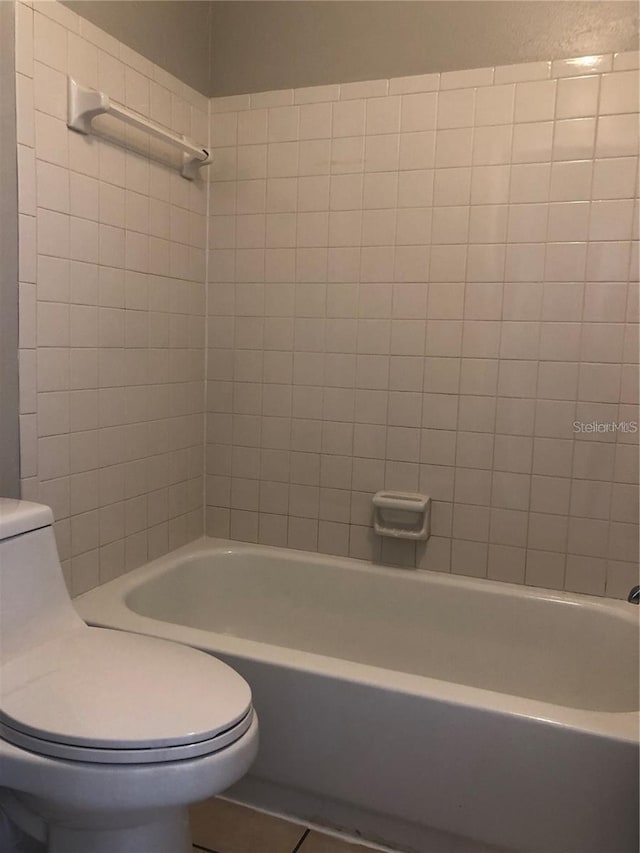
x,y
634,595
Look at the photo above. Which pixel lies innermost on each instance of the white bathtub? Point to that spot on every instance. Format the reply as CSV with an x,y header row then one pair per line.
x,y
429,712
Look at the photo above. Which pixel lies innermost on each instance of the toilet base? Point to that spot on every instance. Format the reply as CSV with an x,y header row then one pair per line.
x,y
169,833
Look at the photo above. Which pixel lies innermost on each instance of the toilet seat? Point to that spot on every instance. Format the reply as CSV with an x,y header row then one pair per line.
x,y
100,755
105,696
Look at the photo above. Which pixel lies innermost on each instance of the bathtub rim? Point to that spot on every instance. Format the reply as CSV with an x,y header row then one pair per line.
x,y
105,606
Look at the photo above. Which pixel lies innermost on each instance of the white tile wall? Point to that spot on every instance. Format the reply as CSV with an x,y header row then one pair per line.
x,y
416,283
422,283
112,303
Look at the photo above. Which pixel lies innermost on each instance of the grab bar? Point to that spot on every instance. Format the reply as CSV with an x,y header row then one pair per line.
x,y
85,104
400,500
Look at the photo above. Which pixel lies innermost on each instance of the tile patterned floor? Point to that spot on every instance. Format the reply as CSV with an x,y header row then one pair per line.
x,y
219,826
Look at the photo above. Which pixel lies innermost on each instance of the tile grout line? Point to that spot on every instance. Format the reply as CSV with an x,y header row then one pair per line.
x,y
301,841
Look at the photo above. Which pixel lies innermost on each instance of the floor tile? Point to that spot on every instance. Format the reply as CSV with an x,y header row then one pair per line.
x,y
316,842
229,828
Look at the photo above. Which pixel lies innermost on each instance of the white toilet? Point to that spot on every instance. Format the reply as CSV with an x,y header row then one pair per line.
x,y
105,737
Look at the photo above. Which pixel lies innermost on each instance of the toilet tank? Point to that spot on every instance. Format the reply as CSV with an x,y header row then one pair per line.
x,y
34,603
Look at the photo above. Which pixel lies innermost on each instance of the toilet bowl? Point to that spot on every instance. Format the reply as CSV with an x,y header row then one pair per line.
x,y
105,737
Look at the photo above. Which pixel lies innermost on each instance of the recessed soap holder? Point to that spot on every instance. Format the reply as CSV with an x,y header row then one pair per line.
x,y
403,515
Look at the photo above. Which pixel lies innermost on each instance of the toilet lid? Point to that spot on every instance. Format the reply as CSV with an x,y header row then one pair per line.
x,y
112,690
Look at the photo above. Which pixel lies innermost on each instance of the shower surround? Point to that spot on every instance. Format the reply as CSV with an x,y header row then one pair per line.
x,y
429,283
418,283
112,303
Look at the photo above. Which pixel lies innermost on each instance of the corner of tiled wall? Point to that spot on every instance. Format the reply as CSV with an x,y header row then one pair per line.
x,y
416,283
423,283
112,303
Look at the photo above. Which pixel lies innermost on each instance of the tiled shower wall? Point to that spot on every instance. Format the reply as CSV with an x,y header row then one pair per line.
x,y
112,303
429,283
419,283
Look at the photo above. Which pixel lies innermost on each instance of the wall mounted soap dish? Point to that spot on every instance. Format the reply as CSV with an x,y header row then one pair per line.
x,y
402,515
